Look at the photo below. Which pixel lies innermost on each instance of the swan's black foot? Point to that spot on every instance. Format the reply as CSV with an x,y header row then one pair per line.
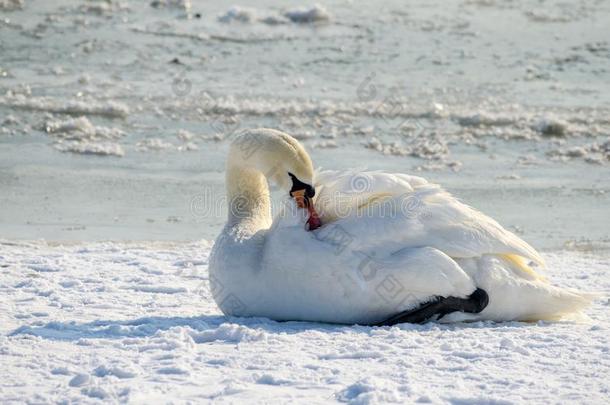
x,y
441,306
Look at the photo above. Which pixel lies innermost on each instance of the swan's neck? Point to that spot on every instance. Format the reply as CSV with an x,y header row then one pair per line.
x,y
248,200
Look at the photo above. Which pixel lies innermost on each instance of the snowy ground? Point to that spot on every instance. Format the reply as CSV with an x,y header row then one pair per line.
x,y
135,322
116,115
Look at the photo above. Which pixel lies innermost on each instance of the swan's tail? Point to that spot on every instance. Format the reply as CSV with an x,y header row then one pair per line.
x,y
553,303
518,294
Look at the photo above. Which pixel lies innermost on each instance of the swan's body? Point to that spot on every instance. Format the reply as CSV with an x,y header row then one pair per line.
x,y
388,243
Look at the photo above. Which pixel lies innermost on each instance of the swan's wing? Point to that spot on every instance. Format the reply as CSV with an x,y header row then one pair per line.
x,y
383,210
461,231
365,182
312,277
340,194
342,268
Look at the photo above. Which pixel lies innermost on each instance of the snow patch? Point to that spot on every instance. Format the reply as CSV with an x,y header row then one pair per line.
x,y
239,14
80,128
110,109
11,5
551,127
268,379
91,148
184,5
158,144
370,390
171,370
79,380
230,333
159,289
316,14
302,15
103,371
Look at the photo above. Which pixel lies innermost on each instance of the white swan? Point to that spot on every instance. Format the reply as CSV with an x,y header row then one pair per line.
x,y
389,245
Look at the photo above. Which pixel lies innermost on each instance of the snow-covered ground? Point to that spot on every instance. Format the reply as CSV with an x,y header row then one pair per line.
x,y
135,322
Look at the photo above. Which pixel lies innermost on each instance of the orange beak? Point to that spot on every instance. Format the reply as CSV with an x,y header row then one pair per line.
x,y
304,202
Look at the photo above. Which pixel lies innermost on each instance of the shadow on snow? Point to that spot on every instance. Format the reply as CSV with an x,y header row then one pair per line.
x,y
149,326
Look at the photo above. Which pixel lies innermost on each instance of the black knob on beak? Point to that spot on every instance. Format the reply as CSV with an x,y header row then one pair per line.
x,y
297,184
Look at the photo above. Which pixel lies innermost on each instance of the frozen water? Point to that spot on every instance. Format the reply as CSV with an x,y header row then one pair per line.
x,y
144,98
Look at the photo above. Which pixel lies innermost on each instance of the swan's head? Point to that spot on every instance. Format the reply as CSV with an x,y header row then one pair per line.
x,y
282,160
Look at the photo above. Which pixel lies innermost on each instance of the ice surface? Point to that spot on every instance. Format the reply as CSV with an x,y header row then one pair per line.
x,y
316,14
135,322
109,109
91,148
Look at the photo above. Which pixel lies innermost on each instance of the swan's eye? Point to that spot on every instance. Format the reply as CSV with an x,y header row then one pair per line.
x,y
299,185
